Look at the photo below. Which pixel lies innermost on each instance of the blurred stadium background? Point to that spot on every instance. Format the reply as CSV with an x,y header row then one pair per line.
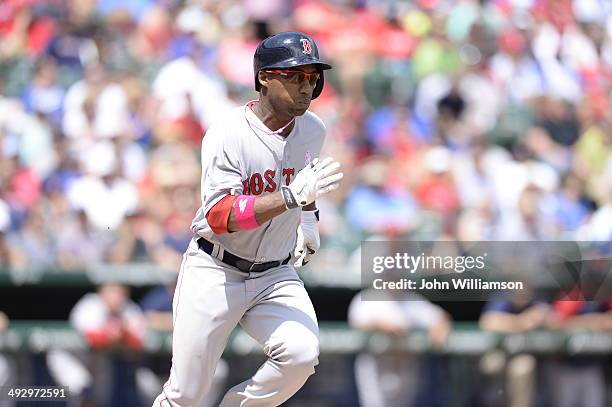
x,y
456,120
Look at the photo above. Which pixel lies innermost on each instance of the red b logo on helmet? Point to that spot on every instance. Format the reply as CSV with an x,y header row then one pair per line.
x,y
306,45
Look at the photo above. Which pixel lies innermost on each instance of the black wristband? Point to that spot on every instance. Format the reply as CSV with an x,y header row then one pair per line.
x,y
317,215
288,197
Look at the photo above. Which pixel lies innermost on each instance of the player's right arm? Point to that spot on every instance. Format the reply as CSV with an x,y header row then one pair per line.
x,y
243,212
264,208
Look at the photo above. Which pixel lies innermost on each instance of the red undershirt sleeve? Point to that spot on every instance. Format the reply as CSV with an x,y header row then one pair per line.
x,y
218,215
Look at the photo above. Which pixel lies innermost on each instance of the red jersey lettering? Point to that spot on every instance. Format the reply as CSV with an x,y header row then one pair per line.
x,y
256,184
270,183
288,173
246,187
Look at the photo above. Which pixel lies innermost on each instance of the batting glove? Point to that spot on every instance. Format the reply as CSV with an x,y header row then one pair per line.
x,y
314,180
308,241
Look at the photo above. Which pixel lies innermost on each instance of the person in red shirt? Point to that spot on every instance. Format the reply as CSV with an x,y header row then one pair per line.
x,y
115,327
580,379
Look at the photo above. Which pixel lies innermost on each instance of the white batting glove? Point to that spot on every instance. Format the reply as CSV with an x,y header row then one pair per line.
x,y
314,180
308,241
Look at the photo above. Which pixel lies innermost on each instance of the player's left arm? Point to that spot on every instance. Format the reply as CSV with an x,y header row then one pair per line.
x,y
243,212
308,240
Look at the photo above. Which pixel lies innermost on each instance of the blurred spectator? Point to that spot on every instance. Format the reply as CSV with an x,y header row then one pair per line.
x,y
116,327
374,205
393,377
33,247
517,312
188,96
36,150
571,207
22,185
451,129
139,240
109,320
44,94
436,191
95,108
3,321
7,370
79,245
528,222
579,380
157,308
5,253
105,196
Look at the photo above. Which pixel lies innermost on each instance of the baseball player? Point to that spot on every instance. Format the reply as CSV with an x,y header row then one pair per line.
x,y
261,175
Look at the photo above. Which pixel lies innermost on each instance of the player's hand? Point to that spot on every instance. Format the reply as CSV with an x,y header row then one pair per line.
x,y
314,180
308,241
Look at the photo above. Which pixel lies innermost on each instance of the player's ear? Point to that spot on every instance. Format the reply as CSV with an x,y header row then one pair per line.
x,y
263,78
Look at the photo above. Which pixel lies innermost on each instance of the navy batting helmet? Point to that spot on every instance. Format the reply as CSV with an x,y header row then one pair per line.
x,y
288,50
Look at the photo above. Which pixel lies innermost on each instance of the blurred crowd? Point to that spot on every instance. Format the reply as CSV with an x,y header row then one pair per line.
x,y
468,119
477,120
398,368
388,377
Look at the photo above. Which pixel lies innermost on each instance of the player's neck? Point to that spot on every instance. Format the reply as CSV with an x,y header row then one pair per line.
x,y
266,114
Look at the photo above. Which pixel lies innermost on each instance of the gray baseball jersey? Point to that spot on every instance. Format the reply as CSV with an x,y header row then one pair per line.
x,y
239,157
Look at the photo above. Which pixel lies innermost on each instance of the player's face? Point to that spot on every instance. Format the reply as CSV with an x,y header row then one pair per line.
x,y
290,90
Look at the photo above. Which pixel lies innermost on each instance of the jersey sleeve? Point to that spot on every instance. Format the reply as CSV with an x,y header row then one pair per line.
x,y
221,174
317,133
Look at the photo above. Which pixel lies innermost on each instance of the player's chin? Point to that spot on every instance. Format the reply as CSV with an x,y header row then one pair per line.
x,y
299,108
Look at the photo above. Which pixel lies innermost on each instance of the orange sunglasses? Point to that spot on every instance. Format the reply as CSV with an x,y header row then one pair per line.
x,y
295,76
